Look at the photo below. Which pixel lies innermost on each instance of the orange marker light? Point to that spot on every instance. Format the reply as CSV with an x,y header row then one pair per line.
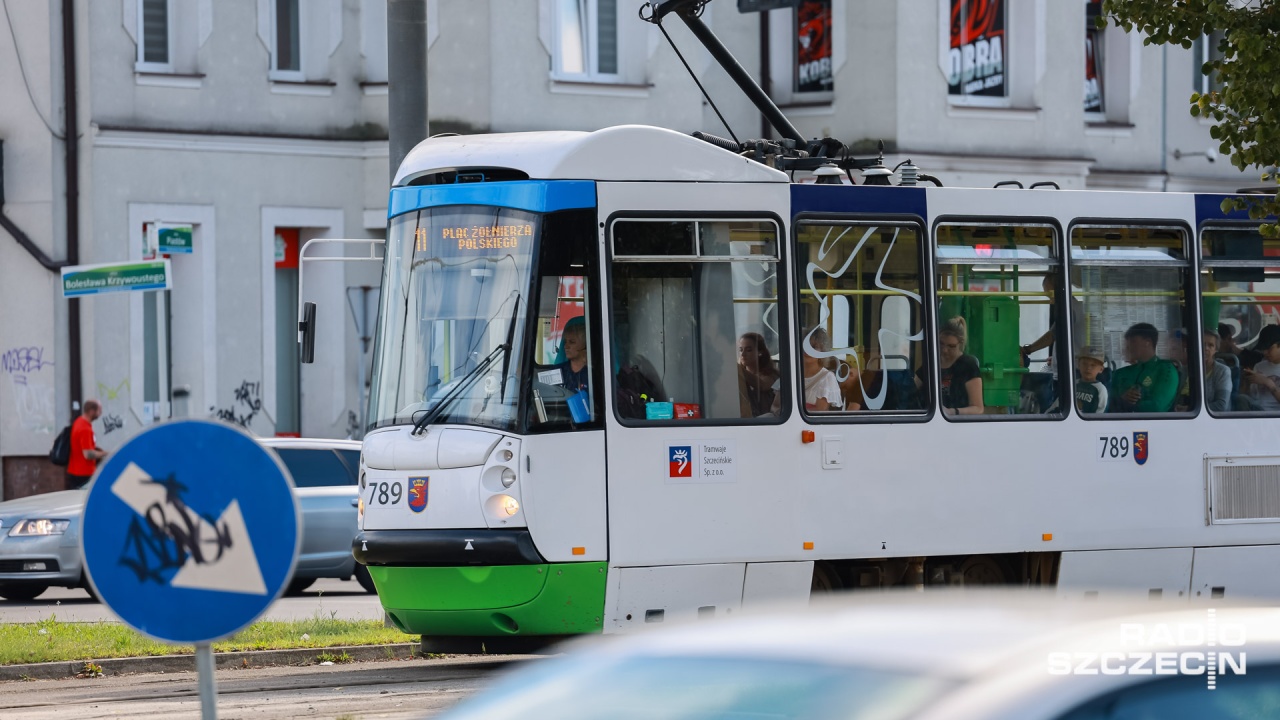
x,y
806,436
1046,537
808,545
579,551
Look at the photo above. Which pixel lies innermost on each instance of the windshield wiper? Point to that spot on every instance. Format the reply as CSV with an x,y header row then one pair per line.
x,y
463,385
506,357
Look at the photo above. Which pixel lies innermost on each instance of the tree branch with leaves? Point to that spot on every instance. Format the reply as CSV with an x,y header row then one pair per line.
x,y
1243,102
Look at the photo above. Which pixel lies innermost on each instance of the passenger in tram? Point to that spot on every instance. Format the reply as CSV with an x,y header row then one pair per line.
x,y
1148,383
1246,358
821,389
961,390
1263,380
1091,394
1048,339
757,373
1217,376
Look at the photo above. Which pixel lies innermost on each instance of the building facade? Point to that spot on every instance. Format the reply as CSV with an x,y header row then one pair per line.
x,y
261,125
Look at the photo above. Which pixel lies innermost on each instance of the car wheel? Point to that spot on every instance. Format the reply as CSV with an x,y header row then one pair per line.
x,y
365,579
297,585
88,587
21,593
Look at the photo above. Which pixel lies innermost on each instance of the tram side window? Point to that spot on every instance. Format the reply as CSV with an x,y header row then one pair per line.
x,y
1240,304
696,320
1131,283
1001,347
861,316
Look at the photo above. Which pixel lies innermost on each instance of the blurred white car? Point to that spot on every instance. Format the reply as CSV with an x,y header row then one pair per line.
x,y
930,656
40,534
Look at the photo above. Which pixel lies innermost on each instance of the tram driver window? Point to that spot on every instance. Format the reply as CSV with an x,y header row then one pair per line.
x,y
1240,305
861,316
696,320
564,388
1131,284
998,318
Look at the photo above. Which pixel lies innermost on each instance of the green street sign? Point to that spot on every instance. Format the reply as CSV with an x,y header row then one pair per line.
x,y
174,239
78,280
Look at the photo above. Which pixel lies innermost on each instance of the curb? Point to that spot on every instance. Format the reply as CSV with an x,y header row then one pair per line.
x,y
222,661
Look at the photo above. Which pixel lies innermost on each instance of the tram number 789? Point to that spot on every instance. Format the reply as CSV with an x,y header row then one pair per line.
x,y
1113,448
385,493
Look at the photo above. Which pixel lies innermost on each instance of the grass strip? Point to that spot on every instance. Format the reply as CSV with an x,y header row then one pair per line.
x,y
55,641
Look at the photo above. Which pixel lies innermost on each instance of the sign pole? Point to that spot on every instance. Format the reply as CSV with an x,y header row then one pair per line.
x,y
206,682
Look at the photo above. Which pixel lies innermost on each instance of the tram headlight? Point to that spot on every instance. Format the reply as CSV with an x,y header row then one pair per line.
x,y
506,455
508,477
508,505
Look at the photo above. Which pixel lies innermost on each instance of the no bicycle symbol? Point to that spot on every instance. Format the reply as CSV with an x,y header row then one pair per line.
x,y
190,531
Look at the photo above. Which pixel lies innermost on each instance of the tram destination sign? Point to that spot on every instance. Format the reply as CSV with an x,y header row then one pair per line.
x,y
79,280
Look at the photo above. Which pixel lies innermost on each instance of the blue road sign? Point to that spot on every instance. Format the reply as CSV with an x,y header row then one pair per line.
x,y
190,531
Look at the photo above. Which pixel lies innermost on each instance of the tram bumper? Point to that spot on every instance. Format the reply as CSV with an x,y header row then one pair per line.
x,y
484,584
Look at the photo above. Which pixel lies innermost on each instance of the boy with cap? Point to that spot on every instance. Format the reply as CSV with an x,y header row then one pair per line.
x,y
1091,395
1263,381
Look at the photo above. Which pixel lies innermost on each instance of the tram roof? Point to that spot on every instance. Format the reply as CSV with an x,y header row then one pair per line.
x,y
622,153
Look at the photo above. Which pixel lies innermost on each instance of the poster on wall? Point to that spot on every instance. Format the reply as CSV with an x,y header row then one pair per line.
x,y
813,46
978,43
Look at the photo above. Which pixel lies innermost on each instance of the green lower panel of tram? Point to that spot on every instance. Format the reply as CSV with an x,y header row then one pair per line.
x,y
505,600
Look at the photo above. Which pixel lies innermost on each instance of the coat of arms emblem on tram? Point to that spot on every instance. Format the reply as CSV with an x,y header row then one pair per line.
x,y
418,494
1140,447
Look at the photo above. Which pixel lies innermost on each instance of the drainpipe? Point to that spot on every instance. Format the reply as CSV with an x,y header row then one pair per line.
x,y
70,133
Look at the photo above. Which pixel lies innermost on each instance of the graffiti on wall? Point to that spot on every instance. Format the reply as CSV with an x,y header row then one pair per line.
x,y
33,393
246,406
115,403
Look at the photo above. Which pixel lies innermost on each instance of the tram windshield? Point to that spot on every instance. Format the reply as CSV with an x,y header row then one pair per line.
x,y
451,326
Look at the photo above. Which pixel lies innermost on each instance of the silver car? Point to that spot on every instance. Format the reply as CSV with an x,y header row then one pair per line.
x,y
40,544
935,655
324,477
40,534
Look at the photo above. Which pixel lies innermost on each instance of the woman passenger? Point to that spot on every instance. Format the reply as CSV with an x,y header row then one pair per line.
x,y
759,374
821,389
961,390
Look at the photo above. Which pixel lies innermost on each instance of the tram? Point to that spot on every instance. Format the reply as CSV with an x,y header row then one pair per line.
x,y
628,377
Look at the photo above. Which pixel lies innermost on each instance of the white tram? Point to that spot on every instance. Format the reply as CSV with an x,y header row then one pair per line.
x,y
602,392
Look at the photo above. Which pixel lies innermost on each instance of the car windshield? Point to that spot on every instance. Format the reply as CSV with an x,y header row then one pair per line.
x,y
453,294
694,688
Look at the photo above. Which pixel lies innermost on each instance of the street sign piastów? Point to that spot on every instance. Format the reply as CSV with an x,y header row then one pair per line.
x,y
190,531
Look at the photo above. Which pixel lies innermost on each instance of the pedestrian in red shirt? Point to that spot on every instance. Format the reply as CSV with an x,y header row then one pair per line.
x,y
85,452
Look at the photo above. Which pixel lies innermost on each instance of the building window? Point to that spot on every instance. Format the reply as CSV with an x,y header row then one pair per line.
x,y
806,50
1204,50
1093,59
977,50
813,58
696,318
586,43
153,36
286,56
